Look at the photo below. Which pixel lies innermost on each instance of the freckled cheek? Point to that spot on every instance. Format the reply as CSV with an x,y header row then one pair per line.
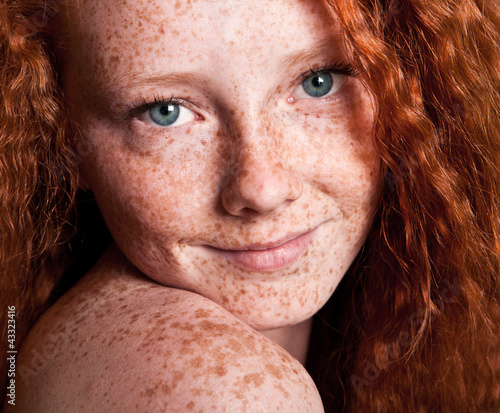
x,y
339,148
162,185
333,148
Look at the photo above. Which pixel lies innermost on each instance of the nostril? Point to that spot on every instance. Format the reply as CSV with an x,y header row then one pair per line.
x,y
249,213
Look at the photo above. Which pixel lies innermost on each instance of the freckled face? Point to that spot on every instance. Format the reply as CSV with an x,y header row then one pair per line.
x,y
221,163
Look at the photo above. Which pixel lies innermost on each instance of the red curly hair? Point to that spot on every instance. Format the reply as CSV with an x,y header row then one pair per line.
x,y
414,326
38,176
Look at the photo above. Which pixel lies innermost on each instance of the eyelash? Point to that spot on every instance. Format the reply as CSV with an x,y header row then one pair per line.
x,y
142,105
338,67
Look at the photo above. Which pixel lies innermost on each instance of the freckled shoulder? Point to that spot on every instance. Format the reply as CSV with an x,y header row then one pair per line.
x,y
119,342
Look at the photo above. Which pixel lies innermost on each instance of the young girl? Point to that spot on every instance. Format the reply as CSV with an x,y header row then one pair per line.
x,y
249,160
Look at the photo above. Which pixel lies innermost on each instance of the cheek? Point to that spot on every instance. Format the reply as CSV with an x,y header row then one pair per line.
x,y
341,160
151,190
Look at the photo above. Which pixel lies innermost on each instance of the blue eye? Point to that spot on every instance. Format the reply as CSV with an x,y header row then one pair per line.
x,y
318,84
168,113
165,115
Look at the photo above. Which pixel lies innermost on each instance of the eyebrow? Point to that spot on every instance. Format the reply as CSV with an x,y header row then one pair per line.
x,y
188,78
328,47
135,80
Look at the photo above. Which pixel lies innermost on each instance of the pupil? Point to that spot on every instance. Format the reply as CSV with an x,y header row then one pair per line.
x,y
317,81
165,110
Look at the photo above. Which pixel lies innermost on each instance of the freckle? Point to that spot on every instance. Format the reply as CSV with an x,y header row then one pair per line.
x,y
254,378
220,371
275,371
202,313
197,362
166,389
148,392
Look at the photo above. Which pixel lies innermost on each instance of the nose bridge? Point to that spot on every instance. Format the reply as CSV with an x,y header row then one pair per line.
x,y
253,145
259,178
255,148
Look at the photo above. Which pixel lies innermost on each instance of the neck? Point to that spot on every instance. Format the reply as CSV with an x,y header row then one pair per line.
x,y
294,338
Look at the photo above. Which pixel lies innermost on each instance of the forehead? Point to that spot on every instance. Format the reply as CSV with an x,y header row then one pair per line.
x,y
129,37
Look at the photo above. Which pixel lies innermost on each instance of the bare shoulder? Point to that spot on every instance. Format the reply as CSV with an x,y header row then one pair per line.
x,y
119,342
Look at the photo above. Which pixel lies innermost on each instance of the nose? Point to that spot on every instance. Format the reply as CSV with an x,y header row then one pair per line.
x,y
259,182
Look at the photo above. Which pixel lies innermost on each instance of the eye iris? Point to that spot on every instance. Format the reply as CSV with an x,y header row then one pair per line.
x,y
164,115
318,85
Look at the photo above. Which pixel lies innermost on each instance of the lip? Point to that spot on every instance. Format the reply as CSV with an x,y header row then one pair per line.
x,y
269,256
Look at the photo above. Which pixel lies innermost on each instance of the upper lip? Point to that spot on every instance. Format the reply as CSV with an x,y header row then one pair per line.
x,y
261,246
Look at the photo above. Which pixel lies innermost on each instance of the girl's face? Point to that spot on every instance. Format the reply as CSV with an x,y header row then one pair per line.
x,y
227,145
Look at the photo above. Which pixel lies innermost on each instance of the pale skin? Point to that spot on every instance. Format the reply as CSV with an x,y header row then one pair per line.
x,y
187,312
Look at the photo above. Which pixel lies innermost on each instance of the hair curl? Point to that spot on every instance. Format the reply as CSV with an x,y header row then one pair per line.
x,y
37,168
419,312
425,335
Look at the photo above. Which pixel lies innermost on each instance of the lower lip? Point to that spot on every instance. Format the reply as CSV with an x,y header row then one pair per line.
x,y
270,259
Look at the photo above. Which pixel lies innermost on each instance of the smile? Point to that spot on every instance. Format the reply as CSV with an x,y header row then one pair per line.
x,y
269,257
